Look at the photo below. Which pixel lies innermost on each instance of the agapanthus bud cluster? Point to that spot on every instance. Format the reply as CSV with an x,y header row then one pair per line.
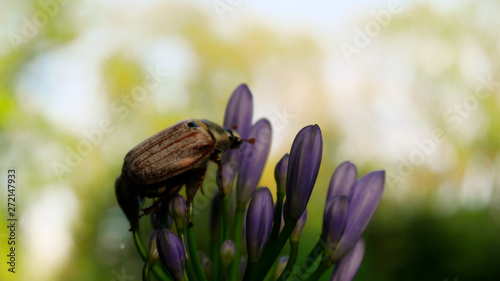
x,y
249,228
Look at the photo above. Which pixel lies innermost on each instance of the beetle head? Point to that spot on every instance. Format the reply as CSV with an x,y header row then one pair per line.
x,y
234,139
225,138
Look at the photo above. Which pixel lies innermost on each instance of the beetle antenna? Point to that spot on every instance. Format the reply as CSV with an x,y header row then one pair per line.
x,y
250,140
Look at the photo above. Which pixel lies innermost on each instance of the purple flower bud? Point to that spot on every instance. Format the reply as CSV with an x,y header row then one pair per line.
x,y
280,173
177,209
348,266
253,161
365,199
259,222
239,113
303,167
161,218
171,253
227,252
154,219
295,235
206,264
334,222
283,260
153,250
343,180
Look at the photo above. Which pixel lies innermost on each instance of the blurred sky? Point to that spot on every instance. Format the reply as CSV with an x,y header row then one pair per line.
x,y
66,81
48,83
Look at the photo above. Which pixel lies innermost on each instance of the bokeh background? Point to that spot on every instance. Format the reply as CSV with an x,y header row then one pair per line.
x,y
411,87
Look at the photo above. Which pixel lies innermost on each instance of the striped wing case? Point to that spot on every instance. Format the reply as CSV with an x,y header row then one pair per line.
x,y
169,153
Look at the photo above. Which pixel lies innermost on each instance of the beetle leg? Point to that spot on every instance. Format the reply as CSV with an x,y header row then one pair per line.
x,y
174,190
216,159
163,197
195,184
153,207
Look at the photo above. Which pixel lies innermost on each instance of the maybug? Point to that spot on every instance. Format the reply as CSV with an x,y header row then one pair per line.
x,y
176,156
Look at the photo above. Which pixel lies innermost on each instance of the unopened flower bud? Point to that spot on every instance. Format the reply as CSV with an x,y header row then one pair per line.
x,y
303,167
259,222
281,266
280,174
253,161
206,264
171,253
177,210
239,113
227,252
348,266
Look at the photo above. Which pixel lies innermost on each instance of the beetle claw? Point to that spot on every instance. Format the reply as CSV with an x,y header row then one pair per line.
x,y
189,222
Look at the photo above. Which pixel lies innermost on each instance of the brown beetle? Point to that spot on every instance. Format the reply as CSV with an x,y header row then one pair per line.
x,y
163,163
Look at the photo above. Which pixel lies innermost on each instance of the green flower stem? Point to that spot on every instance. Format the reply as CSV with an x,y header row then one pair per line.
x,y
277,217
188,265
145,270
250,269
225,272
238,235
270,254
271,275
316,275
188,268
193,251
143,252
225,206
309,261
294,252
215,242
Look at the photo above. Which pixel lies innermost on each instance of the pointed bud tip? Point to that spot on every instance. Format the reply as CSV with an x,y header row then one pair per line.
x,y
376,177
243,86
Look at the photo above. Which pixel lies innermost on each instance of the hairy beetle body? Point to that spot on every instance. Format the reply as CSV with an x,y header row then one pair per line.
x,y
161,164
